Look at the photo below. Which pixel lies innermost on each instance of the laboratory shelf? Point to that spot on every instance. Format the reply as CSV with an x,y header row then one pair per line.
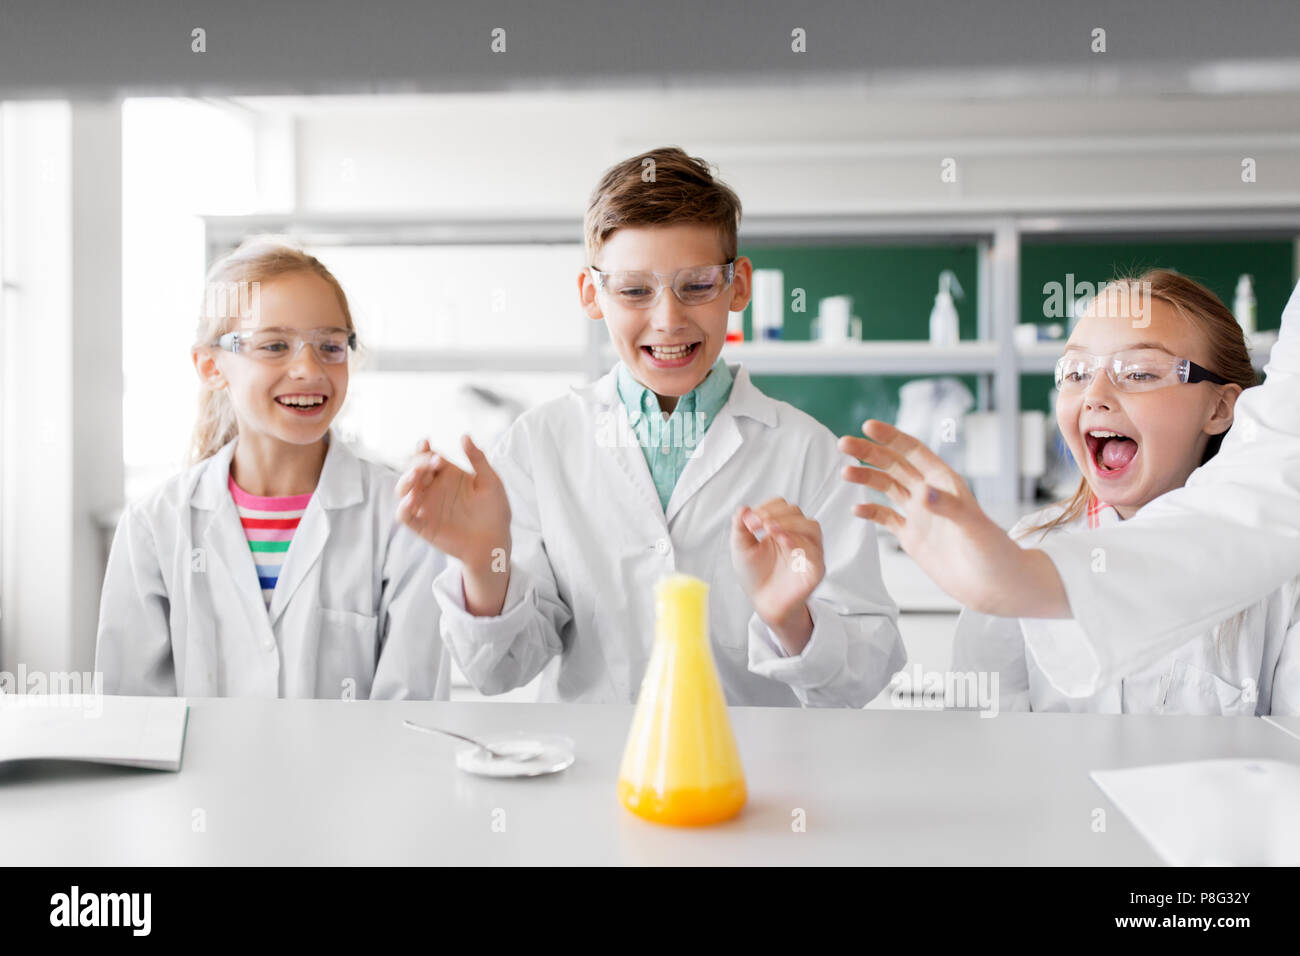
x,y
1039,359
864,358
883,357
761,358
993,358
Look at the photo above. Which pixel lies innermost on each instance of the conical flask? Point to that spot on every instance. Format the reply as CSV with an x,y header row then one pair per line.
x,y
680,765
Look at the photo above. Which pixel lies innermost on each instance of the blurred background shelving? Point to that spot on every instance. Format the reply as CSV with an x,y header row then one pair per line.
x,y
888,264
452,213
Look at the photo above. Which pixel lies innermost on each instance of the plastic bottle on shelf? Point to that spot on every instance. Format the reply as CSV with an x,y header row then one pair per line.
x,y
1243,305
769,304
680,765
943,317
833,319
735,326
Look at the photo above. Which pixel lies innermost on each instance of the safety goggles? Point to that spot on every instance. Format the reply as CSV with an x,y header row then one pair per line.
x,y
283,345
1140,370
695,285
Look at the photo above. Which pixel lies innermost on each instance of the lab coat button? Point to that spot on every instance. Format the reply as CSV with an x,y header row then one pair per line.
x,y
662,545
663,449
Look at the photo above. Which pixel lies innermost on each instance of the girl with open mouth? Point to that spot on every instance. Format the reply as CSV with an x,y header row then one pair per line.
x,y
1147,388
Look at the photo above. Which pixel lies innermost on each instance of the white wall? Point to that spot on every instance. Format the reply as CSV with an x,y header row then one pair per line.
x,y
62,375
182,159
820,149
96,359
38,520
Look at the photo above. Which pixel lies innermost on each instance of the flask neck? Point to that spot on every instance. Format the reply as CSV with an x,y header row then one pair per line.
x,y
685,623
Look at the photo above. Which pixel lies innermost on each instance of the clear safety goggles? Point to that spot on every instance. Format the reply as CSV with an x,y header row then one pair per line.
x,y
1140,370
694,285
283,345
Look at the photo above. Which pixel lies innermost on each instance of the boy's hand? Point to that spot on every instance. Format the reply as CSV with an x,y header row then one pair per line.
x,y
780,572
946,532
464,515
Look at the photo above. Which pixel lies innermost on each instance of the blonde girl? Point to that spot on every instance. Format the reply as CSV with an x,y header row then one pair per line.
x,y
274,565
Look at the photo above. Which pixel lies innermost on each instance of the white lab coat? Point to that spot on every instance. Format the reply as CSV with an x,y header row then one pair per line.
x,y
590,539
1193,557
1251,666
352,615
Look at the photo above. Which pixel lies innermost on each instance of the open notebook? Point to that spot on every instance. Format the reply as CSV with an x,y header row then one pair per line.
x,y
144,732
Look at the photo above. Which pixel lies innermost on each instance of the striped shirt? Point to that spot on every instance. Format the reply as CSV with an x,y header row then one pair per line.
x,y
1097,511
269,524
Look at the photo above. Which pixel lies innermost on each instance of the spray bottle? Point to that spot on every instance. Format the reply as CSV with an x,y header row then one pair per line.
x,y
943,317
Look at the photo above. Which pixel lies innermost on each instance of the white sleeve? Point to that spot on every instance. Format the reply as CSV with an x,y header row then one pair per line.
x,y
984,644
855,646
133,649
413,660
500,653
1194,556
1285,695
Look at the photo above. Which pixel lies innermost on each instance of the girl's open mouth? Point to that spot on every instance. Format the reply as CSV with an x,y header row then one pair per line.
x,y
1111,453
671,356
304,405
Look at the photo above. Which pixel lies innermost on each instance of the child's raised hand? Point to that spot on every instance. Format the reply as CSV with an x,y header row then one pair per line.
x,y
781,571
944,529
463,514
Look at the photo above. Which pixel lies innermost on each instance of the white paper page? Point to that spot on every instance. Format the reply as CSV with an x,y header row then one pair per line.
x,y
1236,812
132,731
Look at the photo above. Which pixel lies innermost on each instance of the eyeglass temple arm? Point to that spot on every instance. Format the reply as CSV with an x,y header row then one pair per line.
x,y
1197,373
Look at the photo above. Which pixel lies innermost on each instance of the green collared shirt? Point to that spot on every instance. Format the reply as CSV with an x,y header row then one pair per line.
x,y
669,443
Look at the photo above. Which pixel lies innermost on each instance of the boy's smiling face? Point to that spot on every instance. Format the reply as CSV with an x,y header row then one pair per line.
x,y
650,341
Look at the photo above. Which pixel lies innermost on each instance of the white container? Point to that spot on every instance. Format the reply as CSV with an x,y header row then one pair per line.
x,y
1026,335
833,317
735,326
769,304
983,444
933,409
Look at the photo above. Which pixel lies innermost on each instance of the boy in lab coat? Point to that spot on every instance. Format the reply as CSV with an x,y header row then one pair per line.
x,y
591,498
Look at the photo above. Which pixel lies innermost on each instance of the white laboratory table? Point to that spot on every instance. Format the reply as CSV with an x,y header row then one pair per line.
x,y
336,782
1290,725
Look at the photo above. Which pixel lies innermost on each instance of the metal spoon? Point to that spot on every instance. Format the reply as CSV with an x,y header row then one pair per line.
x,y
495,754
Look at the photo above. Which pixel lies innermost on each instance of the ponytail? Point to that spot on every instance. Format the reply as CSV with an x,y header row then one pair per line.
x,y
215,426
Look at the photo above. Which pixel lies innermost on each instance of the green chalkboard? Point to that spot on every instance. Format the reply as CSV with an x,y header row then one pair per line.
x,y
1214,263
893,290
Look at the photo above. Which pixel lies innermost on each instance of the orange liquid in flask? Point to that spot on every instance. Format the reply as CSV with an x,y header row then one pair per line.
x,y
681,766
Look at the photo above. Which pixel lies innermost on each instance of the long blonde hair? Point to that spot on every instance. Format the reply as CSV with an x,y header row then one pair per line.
x,y
230,287
1229,358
